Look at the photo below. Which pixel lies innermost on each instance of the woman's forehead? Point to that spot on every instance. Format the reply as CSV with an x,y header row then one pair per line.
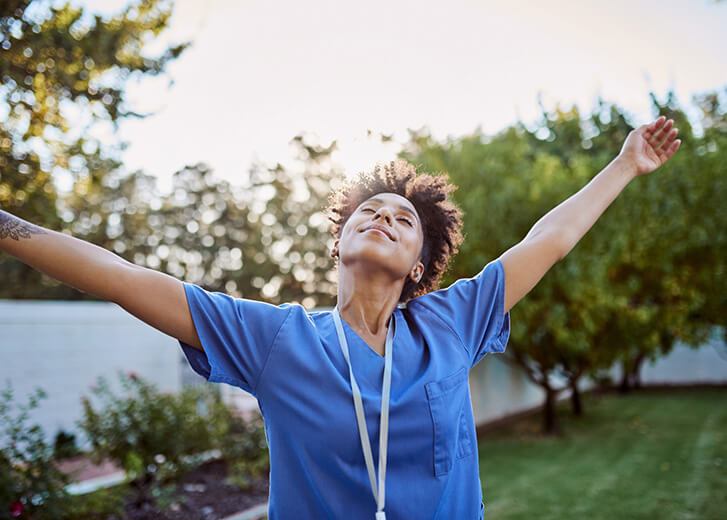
x,y
393,198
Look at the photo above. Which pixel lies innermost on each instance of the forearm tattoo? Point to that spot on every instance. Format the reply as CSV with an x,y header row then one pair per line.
x,y
13,227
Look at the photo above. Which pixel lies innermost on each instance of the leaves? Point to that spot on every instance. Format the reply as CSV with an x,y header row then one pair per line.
x,y
645,276
29,480
157,436
56,60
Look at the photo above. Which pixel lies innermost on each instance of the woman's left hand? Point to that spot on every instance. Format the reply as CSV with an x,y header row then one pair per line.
x,y
649,146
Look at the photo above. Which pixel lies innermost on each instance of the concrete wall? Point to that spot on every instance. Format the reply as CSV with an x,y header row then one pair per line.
x,y
685,365
64,346
499,389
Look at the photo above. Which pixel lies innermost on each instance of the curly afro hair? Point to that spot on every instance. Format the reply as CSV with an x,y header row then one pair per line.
x,y
441,218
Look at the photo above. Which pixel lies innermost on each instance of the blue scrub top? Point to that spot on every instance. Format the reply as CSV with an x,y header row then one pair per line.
x,y
290,360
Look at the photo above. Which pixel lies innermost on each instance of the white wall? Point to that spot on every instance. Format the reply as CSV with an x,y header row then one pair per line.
x,y
685,365
499,389
64,346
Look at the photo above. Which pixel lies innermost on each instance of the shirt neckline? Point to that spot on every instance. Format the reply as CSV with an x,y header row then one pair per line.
x,y
369,347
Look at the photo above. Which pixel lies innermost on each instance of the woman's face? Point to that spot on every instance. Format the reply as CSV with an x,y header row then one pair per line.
x,y
396,249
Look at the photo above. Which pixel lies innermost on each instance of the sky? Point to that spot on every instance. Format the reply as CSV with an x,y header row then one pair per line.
x,y
258,73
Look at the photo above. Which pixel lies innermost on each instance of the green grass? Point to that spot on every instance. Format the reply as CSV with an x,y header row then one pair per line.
x,y
648,455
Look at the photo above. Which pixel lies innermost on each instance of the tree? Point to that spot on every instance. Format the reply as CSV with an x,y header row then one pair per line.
x,y
57,60
635,284
205,229
675,241
266,239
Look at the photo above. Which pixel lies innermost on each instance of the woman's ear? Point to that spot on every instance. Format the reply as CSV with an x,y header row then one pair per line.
x,y
418,272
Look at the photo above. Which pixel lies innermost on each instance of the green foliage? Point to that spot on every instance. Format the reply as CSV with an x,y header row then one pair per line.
x,y
98,505
148,432
57,56
266,239
31,486
245,449
650,272
156,436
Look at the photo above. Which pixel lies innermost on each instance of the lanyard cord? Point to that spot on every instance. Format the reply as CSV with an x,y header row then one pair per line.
x,y
379,491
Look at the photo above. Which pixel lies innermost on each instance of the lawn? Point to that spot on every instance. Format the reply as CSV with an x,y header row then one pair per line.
x,y
651,454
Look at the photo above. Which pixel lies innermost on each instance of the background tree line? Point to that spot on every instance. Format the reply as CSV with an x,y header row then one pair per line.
x,y
651,272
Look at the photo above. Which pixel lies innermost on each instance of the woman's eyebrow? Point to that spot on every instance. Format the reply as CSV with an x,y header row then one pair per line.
x,y
401,206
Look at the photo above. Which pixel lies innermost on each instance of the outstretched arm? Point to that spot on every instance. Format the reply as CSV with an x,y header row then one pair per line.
x,y
156,298
558,231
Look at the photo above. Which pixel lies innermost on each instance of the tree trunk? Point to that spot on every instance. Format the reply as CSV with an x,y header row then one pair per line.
x,y
550,419
636,371
624,387
575,398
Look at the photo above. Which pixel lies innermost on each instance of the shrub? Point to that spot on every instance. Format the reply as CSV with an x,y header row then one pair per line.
x,y
154,436
31,486
245,449
101,504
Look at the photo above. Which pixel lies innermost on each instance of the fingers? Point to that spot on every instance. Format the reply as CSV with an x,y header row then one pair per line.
x,y
653,127
660,135
666,140
671,150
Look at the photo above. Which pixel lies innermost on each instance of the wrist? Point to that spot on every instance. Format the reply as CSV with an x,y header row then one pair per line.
x,y
626,166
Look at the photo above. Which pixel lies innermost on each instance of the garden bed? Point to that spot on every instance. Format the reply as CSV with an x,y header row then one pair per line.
x,y
202,494
165,456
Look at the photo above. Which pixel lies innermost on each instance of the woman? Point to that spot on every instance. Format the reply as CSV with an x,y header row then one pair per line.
x,y
385,372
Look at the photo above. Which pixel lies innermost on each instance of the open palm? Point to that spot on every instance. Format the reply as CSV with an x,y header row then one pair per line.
x,y
649,146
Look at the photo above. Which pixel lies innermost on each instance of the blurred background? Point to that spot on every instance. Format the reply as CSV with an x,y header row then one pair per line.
x,y
202,139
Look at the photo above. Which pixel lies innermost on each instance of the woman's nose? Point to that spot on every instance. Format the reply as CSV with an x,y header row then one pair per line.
x,y
385,213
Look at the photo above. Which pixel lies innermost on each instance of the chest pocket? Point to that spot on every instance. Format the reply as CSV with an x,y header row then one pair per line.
x,y
452,439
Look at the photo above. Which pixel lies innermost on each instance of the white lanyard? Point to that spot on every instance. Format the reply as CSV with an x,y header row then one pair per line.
x,y
358,404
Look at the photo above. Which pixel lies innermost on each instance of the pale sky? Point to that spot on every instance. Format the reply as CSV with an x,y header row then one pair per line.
x,y
260,72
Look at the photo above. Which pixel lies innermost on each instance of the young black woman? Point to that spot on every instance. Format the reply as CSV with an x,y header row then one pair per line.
x,y
391,359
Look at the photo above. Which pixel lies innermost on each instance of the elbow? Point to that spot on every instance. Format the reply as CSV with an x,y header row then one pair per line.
x,y
564,244
559,242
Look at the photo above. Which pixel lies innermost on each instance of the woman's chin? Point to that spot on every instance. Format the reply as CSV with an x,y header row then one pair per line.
x,y
372,256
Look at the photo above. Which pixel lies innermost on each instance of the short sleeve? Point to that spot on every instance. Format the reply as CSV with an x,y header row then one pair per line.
x,y
474,309
237,335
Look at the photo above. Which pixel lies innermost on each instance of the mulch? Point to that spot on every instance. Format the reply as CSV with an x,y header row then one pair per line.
x,y
203,494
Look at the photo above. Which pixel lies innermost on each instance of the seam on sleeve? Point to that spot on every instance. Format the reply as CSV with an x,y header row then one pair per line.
x,y
270,350
496,339
215,375
500,297
499,304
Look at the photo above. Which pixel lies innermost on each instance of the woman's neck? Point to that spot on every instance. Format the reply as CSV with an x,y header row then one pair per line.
x,y
367,300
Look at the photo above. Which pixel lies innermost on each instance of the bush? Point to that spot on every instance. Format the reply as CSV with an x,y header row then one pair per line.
x,y
101,504
31,486
155,436
245,449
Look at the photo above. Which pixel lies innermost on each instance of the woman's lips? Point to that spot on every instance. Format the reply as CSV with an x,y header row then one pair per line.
x,y
378,231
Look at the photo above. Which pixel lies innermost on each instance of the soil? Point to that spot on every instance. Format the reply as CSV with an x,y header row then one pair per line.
x,y
202,494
